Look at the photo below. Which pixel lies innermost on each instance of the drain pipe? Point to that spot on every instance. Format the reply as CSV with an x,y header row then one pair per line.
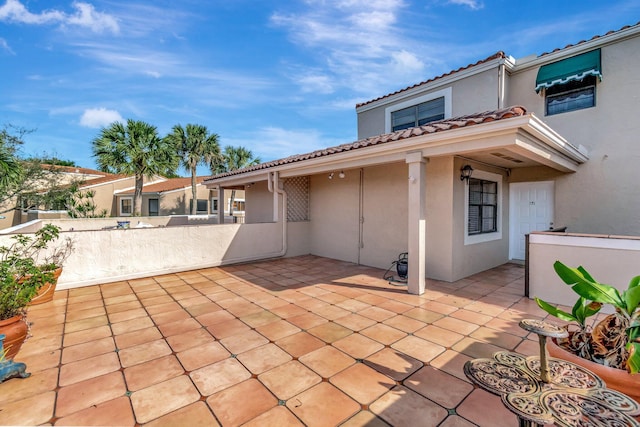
x,y
272,186
276,187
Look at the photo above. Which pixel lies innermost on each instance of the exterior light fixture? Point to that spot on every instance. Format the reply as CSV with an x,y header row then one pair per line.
x,y
341,175
465,173
331,175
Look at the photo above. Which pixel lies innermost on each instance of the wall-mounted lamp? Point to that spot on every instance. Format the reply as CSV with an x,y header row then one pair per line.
x,y
341,175
331,175
465,173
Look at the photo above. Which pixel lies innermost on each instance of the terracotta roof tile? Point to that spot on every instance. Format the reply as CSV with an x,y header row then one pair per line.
x,y
592,38
168,185
497,55
433,127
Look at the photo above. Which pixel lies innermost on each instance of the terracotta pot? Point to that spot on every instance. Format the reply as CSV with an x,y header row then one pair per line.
x,y
617,379
46,291
15,329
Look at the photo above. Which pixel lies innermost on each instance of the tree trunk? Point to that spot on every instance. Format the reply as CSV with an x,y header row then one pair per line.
x,y
194,192
137,196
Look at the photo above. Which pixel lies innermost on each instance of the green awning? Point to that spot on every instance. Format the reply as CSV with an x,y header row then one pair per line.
x,y
575,68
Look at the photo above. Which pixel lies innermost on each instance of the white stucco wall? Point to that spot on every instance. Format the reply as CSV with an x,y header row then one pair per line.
x,y
102,256
334,216
610,260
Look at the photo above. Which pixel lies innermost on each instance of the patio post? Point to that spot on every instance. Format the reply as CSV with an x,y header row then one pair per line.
x,y
416,212
220,210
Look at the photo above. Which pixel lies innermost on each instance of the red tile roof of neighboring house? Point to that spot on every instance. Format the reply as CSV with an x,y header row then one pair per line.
x,y
168,185
433,127
591,39
497,55
103,179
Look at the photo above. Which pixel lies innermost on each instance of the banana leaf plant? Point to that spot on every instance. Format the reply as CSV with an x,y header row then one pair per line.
x,y
614,341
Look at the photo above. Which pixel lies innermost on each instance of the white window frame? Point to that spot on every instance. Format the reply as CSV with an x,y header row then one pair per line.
x,y
120,210
444,93
484,237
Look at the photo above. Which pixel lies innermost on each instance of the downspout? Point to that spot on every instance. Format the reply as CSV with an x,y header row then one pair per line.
x,y
276,187
272,186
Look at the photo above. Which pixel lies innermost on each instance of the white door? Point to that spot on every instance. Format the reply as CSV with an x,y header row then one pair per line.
x,y
530,209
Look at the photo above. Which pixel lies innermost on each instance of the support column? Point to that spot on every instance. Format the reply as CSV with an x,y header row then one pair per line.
x,y
220,211
416,211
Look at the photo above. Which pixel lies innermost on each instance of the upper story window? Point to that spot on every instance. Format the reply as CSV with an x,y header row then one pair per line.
x,y
418,115
418,111
571,96
570,84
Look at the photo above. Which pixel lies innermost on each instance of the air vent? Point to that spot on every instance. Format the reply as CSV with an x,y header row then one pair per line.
x,y
511,159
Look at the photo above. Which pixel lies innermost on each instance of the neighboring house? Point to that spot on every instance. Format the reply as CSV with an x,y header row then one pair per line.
x,y
173,197
101,183
551,140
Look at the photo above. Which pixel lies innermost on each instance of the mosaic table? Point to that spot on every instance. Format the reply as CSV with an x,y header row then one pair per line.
x,y
542,390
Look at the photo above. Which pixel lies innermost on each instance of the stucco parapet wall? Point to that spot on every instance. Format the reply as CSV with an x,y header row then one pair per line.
x,y
586,240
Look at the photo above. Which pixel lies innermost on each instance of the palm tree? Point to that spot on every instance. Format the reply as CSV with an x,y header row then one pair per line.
x,y
234,158
195,146
134,148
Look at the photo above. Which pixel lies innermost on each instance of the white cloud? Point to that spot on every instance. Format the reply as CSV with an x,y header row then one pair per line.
x,y
5,46
358,45
85,16
99,117
473,4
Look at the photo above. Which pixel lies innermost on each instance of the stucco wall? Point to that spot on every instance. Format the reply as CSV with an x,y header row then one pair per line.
x,y
471,258
471,95
601,197
614,261
334,216
385,200
102,256
440,217
259,203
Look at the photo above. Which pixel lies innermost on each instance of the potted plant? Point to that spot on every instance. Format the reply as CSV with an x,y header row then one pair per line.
x,y
20,279
611,349
52,262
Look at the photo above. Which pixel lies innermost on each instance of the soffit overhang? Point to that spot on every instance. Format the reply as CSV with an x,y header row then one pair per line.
x,y
515,142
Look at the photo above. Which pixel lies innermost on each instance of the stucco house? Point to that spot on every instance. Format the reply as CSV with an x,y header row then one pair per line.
x,y
456,170
102,184
161,197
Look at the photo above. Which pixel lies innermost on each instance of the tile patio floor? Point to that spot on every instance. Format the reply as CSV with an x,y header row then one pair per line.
x,y
289,342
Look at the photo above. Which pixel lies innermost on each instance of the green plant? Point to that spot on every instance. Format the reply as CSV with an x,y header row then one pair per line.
x,y
614,341
20,274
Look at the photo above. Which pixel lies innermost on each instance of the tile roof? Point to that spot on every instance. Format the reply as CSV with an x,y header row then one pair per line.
x,y
497,55
591,39
168,185
433,127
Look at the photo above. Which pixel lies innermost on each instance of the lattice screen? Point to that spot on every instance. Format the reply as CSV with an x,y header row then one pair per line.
x,y
297,189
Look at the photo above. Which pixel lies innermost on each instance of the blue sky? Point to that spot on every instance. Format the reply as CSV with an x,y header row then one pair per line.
x,y
278,77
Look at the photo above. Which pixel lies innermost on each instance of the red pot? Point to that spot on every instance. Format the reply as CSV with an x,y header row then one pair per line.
x,y
15,331
616,379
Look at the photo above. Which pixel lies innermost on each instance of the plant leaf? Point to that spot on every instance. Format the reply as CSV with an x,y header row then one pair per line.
x,y
599,292
554,311
632,298
634,282
633,363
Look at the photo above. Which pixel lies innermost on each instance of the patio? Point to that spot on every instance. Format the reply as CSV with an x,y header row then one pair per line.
x,y
297,341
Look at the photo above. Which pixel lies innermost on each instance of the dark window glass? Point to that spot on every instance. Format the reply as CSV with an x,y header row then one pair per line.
x,y
418,115
572,96
483,206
